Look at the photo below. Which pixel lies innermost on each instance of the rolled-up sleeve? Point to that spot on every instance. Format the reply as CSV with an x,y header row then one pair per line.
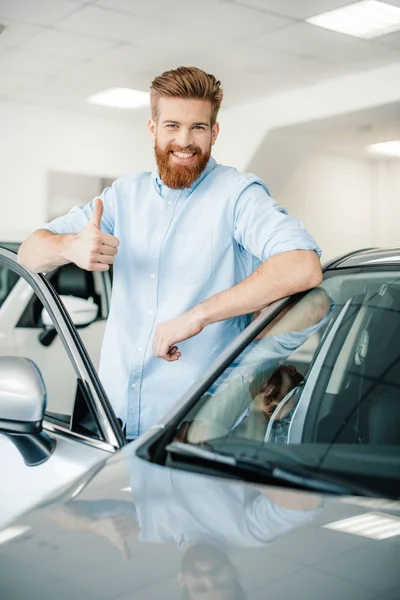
x,y
266,520
263,227
79,216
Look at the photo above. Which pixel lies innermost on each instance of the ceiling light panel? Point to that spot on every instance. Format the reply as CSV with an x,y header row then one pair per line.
x,y
386,148
124,98
366,19
375,526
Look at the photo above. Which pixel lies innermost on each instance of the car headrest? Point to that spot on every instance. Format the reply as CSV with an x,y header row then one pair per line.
x,y
73,281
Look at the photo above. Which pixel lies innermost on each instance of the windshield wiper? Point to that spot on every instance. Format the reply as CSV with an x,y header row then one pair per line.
x,y
264,472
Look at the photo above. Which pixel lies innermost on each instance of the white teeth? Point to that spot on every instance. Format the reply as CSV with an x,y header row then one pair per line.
x,y
182,155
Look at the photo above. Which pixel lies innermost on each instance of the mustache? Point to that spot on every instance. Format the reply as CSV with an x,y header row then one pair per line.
x,y
191,148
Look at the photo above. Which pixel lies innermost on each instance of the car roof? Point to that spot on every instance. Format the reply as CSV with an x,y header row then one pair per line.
x,y
10,245
368,256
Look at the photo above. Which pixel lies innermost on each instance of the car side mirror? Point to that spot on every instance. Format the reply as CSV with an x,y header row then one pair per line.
x,y
82,312
22,407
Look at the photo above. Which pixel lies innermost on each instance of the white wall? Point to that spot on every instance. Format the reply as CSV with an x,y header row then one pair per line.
x,y
385,202
243,128
332,195
36,140
65,190
346,203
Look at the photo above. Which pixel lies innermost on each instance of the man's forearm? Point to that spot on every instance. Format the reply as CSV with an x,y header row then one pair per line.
x,y
282,275
43,251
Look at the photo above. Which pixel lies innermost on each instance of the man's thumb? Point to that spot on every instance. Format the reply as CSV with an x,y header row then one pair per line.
x,y
97,212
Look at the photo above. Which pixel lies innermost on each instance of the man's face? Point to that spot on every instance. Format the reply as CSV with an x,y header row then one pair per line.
x,y
183,137
208,574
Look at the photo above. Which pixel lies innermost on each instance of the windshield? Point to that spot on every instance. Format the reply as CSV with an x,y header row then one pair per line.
x,y
319,386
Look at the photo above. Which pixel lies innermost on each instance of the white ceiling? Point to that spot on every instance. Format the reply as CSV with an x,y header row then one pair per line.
x,y
58,52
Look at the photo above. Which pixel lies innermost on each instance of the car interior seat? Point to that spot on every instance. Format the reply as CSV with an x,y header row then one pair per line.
x,y
366,407
70,280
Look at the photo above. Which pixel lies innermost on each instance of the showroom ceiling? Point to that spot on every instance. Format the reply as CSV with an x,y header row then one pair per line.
x,y
59,52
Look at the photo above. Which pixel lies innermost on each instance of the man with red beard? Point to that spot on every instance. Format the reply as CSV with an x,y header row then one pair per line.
x,y
197,248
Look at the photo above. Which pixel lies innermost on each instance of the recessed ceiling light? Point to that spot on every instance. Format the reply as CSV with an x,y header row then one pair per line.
x,y
366,19
387,148
376,526
124,98
9,533
127,489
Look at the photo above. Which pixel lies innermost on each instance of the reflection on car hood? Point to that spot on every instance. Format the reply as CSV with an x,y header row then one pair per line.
x,y
137,530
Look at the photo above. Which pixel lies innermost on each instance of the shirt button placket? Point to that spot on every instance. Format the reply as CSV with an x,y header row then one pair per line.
x,y
152,292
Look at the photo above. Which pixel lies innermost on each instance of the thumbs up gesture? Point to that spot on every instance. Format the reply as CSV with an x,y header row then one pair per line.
x,y
92,250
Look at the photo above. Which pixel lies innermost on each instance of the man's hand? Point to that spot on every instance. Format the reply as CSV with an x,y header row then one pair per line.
x,y
175,330
116,529
90,249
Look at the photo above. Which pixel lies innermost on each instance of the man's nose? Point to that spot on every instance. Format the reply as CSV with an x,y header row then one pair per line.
x,y
183,139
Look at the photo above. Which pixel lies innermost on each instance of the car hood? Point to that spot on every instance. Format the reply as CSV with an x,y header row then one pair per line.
x,y
131,529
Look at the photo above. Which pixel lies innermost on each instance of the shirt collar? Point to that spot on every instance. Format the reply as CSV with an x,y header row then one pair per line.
x,y
162,189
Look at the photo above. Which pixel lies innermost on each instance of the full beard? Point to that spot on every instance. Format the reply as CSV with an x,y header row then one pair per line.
x,y
177,176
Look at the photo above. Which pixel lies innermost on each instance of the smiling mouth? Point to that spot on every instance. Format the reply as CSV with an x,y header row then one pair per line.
x,y
184,155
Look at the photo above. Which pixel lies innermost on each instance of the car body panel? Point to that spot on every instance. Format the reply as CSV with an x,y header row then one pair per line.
x,y
129,531
71,458
372,256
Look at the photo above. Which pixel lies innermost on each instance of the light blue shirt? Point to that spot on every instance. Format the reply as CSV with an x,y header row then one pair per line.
x,y
177,248
186,508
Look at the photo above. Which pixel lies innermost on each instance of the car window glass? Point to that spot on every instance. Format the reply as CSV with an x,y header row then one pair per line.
x,y
71,283
25,334
8,279
325,371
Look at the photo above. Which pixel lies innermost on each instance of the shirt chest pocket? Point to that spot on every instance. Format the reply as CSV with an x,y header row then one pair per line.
x,y
192,261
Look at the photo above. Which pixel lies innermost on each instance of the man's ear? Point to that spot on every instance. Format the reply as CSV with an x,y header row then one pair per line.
x,y
181,579
214,133
152,126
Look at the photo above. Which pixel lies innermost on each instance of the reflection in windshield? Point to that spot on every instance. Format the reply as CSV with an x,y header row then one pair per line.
x,y
206,518
317,393
257,387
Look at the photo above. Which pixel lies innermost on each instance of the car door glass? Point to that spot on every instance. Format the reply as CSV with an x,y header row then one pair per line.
x,y
71,282
23,333
8,279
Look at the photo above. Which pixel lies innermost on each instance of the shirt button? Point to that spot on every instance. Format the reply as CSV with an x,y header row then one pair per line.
x,y
158,238
169,202
150,312
134,386
139,348
152,275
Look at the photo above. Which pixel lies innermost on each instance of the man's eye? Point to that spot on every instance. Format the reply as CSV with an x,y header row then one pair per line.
x,y
199,127
171,125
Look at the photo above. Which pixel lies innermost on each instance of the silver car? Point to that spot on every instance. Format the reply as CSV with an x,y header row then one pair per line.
x,y
306,397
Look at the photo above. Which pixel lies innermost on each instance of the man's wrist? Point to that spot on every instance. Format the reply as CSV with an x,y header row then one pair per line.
x,y
202,315
64,248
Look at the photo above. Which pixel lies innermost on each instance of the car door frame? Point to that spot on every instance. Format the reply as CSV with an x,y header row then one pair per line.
x,y
113,436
